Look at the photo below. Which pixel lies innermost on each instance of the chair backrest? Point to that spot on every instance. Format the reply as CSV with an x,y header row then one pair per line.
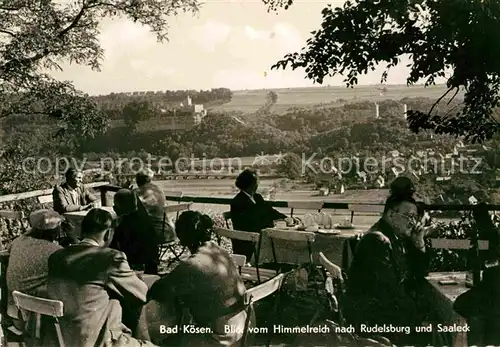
x,y
239,259
237,234
265,289
299,236
441,243
45,199
46,307
7,214
177,208
334,270
304,205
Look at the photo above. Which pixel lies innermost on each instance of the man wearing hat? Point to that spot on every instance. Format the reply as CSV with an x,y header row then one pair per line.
x,y
29,253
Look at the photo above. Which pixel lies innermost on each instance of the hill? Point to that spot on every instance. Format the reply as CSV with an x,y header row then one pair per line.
x,y
249,101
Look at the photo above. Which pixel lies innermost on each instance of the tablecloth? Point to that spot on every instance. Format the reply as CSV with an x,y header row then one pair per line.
x,y
296,252
442,298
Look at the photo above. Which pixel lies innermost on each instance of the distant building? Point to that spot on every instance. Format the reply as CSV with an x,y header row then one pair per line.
x,y
185,116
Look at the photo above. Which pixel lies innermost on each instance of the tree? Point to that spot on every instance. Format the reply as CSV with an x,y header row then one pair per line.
x,y
291,166
134,112
37,35
438,36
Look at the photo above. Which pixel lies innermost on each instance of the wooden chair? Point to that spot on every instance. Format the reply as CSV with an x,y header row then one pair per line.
x,y
335,273
239,260
247,272
295,236
304,205
45,199
257,293
365,208
177,195
41,307
163,248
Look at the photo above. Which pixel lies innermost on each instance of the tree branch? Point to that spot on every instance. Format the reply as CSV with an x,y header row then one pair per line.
x,y
74,22
439,100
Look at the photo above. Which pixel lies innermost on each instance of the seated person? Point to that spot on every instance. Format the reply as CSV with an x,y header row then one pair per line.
x,y
388,265
27,270
249,211
481,304
134,233
207,283
94,282
153,200
72,195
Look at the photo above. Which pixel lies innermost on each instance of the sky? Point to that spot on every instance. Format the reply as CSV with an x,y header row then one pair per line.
x,y
231,44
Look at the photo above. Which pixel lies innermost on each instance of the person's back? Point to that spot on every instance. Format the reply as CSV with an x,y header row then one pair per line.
x,y
93,282
207,283
27,270
28,265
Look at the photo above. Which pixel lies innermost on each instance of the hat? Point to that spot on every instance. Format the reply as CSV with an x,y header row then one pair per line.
x,y
146,173
402,186
45,219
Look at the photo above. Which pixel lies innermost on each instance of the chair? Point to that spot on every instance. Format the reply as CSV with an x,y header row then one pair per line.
x,y
255,294
177,197
304,205
41,307
247,272
296,236
164,247
239,260
335,273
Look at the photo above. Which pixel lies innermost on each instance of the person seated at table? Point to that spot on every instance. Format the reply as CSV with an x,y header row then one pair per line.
x,y
207,283
72,195
153,200
95,283
250,212
389,264
480,305
134,234
27,270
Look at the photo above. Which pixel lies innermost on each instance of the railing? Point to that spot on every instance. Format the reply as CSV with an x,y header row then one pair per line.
x,y
105,187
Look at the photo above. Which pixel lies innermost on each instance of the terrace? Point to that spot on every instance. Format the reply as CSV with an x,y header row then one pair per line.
x,y
361,214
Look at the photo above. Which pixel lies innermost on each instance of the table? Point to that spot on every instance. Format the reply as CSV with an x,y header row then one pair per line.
x,y
76,217
443,297
296,253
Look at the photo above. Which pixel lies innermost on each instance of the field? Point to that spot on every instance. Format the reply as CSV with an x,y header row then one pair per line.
x,y
248,101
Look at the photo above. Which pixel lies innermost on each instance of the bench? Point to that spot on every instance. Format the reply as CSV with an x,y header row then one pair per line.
x,y
365,208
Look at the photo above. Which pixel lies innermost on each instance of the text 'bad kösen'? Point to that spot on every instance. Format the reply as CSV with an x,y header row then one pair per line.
x,y
324,329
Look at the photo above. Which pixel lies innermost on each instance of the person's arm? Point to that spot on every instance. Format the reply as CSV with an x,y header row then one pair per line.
x,y
88,196
273,213
60,202
123,281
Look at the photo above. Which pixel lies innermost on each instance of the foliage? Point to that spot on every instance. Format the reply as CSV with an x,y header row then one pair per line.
x,y
291,166
453,260
36,36
134,112
438,36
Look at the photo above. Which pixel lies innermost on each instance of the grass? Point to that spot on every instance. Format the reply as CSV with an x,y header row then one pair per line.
x,y
248,101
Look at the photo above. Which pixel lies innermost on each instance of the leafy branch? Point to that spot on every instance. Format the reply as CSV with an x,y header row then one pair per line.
x,y
457,40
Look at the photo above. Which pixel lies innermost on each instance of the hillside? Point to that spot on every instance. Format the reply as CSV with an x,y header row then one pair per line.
x,y
248,101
